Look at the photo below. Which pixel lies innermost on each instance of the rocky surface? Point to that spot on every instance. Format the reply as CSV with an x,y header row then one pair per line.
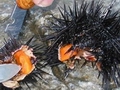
x,y
84,78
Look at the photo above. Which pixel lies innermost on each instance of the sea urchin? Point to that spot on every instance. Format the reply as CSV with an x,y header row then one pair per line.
x,y
91,32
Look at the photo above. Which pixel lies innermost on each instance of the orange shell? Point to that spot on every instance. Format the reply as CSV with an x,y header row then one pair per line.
x,y
63,55
24,61
25,4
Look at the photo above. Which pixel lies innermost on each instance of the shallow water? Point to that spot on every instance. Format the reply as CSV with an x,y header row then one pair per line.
x,y
84,78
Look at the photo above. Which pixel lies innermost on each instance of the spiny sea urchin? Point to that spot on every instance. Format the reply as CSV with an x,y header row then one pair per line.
x,y
91,32
23,55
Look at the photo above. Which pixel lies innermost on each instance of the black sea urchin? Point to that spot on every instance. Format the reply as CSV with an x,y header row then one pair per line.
x,y
93,29
12,45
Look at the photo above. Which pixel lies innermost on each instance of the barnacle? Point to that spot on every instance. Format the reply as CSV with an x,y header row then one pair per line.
x,y
92,28
23,56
